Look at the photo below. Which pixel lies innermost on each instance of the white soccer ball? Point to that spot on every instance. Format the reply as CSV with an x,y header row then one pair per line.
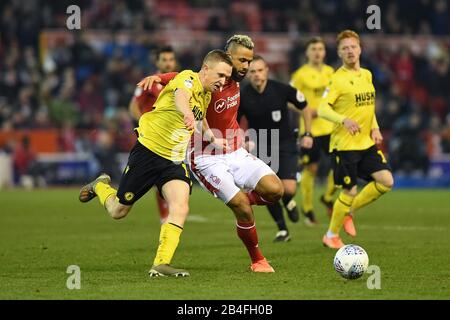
x,y
351,261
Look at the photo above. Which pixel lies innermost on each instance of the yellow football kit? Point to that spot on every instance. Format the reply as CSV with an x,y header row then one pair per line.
x,y
352,95
163,130
312,83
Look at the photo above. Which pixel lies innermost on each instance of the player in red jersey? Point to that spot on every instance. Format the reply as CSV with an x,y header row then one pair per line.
x,y
143,101
227,172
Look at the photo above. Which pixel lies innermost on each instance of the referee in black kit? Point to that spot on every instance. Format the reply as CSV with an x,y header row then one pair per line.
x,y
264,103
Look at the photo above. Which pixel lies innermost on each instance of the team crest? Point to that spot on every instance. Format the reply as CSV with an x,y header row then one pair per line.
x,y
305,159
129,196
188,83
220,105
276,115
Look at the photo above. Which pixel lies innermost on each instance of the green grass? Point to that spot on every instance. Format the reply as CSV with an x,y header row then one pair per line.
x,y
42,232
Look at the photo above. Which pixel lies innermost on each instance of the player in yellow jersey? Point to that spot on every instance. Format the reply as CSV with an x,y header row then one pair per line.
x,y
349,102
157,158
312,79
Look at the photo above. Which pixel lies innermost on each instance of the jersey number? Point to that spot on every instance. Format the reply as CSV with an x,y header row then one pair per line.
x,y
383,159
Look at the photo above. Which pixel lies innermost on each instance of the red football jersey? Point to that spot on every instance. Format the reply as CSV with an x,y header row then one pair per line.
x,y
222,113
221,116
146,98
222,119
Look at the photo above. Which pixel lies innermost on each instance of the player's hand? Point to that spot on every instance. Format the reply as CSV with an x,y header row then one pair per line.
x,y
377,137
221,144
189,121
307,142
351,126
147,82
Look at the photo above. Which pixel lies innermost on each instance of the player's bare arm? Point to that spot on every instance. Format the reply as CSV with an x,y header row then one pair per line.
x,y
375,133
182,104
307,139
218,142
133,107
148,82
325,111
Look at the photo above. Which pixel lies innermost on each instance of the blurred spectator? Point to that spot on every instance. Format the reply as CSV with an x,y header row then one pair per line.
x,y
105,151
408,149
84,83
27,170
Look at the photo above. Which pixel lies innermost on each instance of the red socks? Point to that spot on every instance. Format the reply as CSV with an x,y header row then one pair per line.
x,y
247,233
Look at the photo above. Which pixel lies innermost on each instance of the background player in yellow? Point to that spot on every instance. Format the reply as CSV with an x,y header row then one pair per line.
x,y
349,101
157,158
312,79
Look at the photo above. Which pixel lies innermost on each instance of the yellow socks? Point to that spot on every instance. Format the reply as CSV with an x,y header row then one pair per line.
x,y
371,192
340,209
306,188
168,243
104,191
330,187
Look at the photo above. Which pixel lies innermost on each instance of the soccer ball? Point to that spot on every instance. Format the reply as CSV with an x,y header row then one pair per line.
x,y
351,261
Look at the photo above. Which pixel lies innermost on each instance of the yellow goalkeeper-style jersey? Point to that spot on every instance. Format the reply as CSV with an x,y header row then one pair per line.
x,y
352,94
163,130
312,83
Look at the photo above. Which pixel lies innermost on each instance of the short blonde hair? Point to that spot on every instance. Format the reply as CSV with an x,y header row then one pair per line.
x,y
240,39
345,35
216,56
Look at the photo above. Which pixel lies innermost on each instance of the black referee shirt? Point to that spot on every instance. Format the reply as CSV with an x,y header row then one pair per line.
x,y
269,110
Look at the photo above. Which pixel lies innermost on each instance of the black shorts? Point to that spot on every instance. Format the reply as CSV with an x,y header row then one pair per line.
x,y
320,146
146,169
350,165
288,167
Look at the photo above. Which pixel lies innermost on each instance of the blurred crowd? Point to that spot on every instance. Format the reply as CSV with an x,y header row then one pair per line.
x,y
84,90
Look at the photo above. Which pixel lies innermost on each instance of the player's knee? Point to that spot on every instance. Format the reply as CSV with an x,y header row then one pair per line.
x,y
352,192
289,191
180,209
387,182
273,192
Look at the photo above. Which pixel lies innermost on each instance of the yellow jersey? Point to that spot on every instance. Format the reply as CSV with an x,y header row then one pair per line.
x,y
312,83
352,95
163,130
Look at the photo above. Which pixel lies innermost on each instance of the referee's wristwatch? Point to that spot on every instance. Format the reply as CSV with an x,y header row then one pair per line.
x,y
307,134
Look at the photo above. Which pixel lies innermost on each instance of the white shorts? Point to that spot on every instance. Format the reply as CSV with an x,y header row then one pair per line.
x,y
224,175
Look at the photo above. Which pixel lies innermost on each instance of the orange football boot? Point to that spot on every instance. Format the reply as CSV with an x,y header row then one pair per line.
x,y
349,226
333,242
262,266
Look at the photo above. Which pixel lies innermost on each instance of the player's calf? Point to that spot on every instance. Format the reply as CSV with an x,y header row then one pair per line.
x,y
117,210
241,207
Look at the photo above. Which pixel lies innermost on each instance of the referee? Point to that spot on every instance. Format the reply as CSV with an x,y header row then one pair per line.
x,y
264,103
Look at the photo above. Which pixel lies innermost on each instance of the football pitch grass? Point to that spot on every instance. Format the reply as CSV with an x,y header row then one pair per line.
x,y
42,232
